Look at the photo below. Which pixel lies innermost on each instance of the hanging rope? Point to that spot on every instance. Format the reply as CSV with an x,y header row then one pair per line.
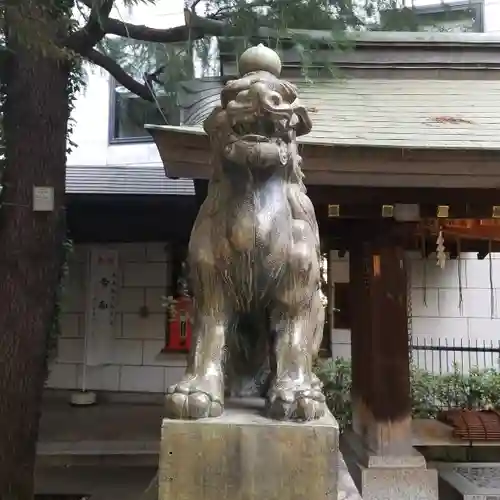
x,y
409,306
492,291
460,287
424,267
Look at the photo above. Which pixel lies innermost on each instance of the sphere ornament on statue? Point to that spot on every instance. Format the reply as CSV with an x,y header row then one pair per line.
x,y
254,257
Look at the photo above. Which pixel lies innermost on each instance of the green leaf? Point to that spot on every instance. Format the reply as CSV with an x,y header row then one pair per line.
x,y
430,392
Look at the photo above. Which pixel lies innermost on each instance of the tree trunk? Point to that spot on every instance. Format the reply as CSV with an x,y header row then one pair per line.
x,y
35,126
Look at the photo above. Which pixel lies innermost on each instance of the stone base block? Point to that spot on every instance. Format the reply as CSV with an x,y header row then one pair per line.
x,y
388,477
245,456
399,484
470,480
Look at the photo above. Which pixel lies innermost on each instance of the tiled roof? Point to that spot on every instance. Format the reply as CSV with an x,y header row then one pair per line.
x,y
124,179
402,113
447,114
430,38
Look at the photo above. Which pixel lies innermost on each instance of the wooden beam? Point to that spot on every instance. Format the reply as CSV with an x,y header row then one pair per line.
x,y
335,235
367,210
186,152
382,195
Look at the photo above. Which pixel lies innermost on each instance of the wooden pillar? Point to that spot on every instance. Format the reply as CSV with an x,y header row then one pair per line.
x,y
379,336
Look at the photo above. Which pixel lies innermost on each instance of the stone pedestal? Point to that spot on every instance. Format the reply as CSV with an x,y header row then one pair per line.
x,y
388,477
244,456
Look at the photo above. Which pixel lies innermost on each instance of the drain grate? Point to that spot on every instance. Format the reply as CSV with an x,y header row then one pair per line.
x,y
483,477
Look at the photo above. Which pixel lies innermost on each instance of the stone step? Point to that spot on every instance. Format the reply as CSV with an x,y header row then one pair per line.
x,y
105,453
96,482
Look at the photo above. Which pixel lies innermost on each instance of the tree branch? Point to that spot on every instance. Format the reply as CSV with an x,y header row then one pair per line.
x,y
94,31
193,6
195,27
121,76
100,24
146,34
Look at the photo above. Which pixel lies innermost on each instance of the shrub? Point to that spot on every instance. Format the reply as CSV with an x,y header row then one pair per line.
x,y
430,393
336,377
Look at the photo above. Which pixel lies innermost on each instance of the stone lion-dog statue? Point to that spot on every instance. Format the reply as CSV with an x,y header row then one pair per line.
x,y
254,257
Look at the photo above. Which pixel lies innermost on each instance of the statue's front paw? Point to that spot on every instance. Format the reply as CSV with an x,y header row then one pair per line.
x,y
299,403
192,399
316,383
308,408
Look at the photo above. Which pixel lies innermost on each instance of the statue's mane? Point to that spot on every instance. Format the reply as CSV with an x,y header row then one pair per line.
x,y
219,129
220,188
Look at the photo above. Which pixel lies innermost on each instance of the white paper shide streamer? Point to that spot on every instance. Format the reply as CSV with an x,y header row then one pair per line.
x,y
101,305
440,250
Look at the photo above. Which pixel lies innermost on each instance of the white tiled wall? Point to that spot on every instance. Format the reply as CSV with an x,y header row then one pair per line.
x,y
445,309
134,363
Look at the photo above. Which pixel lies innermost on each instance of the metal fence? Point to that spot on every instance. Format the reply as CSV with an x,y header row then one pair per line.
x,y
454,374
440,356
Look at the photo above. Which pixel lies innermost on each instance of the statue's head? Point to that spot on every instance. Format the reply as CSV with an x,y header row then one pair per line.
x,y
260,115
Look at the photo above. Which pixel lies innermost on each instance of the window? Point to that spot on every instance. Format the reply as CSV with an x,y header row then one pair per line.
x,y
458,17
129,113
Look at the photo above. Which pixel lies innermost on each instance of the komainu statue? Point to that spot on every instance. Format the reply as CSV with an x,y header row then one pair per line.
x,y
254,257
